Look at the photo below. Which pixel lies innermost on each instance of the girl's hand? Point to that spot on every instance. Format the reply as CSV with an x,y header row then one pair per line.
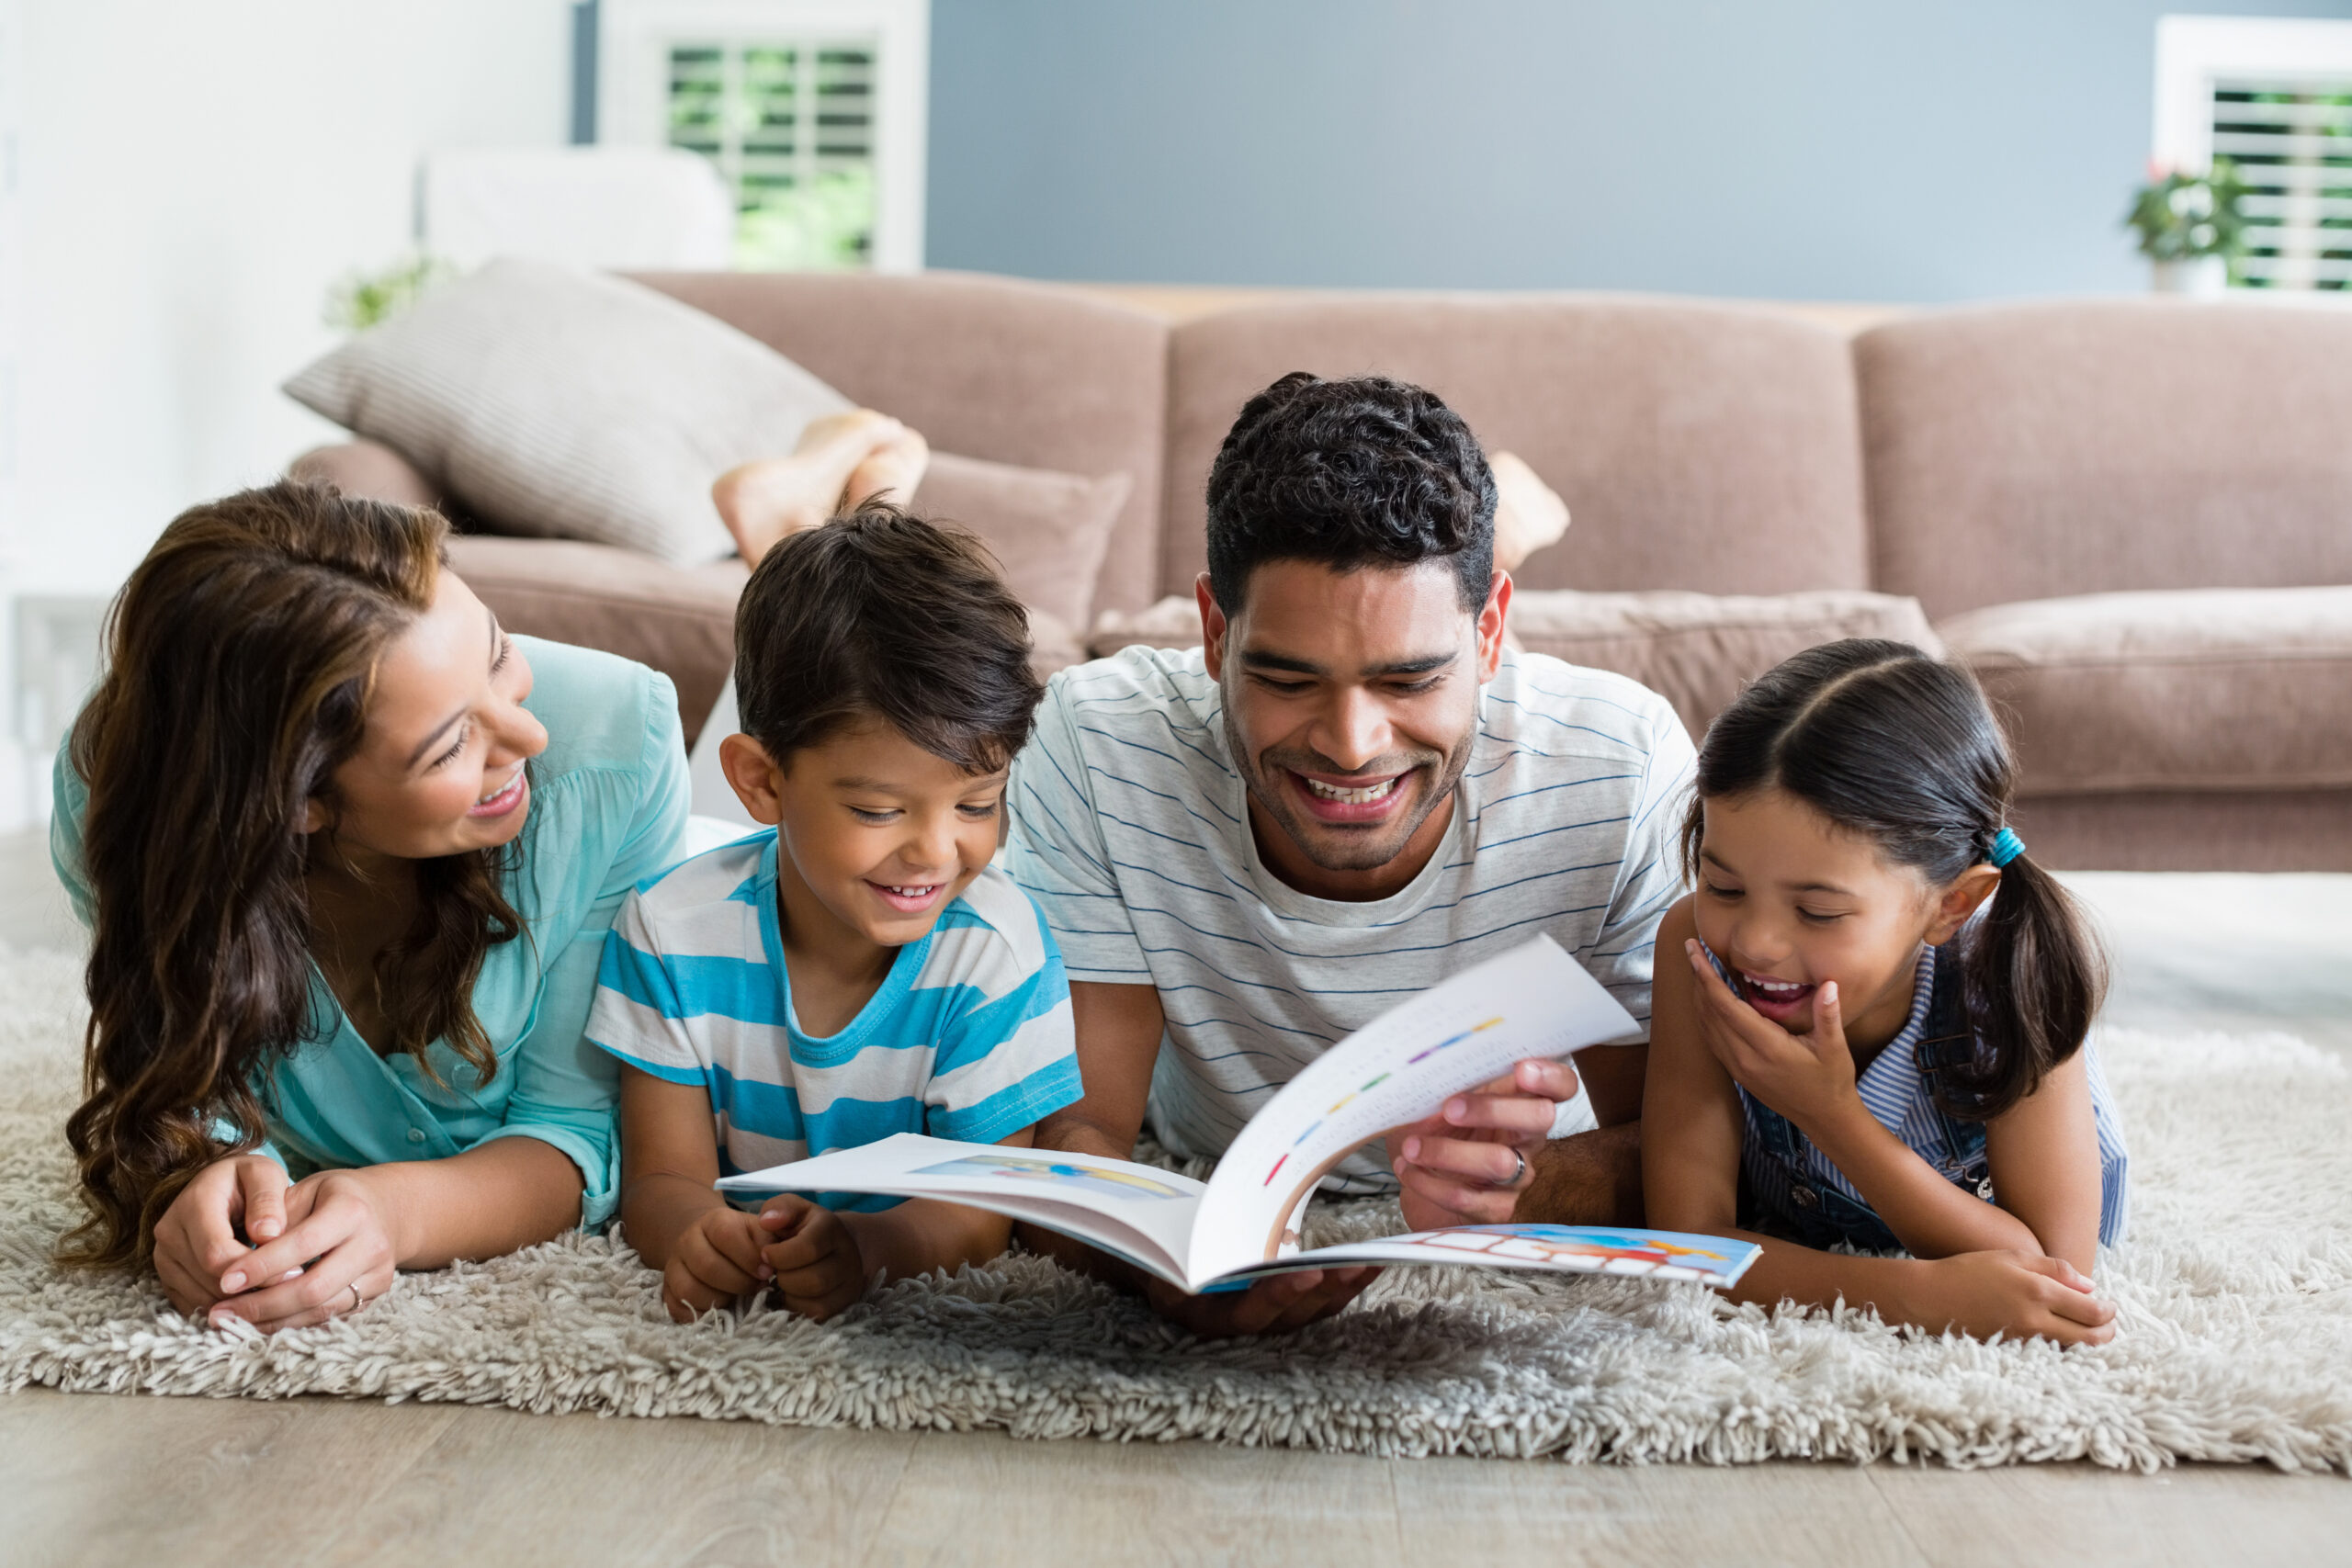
x,y
1809,1079
197,1239
1468,1162
336,1255
815,1257
715,1260
2015,1293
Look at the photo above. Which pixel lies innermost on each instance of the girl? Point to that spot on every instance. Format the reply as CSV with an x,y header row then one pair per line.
x,y
1844,1049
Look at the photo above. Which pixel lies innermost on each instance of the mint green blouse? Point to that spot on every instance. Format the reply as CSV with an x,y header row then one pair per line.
x,y
607,811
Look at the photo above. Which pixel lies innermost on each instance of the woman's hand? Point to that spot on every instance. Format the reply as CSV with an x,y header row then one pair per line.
x,y
196,1241
1809,1079
2018,1294
338,1253
1468,1162
814,1259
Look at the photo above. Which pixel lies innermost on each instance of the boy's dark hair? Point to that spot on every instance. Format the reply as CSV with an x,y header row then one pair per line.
x,y
1889,743
1350,474
882,614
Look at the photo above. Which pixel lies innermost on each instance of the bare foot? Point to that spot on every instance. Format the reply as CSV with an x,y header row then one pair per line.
x,y
891,471
762,501
1529,514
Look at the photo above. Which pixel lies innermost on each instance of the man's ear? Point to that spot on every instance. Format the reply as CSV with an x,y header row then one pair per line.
x,y
753,775
1958,901
1213,625
1492,617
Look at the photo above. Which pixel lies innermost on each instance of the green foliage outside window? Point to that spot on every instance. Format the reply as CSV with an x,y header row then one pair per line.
x,y
2181,217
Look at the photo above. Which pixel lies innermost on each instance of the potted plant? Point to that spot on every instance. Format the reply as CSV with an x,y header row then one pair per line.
x,y
2189,227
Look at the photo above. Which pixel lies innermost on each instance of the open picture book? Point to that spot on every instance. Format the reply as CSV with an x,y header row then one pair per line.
x,y
1533,1001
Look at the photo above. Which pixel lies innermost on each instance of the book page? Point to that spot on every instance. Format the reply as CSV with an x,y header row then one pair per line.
x,y
1142,1213
1533,1001
1712,1261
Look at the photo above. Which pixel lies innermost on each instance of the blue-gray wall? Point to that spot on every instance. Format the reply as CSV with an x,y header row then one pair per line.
x,y
1868,150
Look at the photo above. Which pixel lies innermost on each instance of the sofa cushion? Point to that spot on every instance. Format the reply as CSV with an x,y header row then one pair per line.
x,y
2191,689
1694,650
570,404
1049,531
2038,451
1697,444
1698,649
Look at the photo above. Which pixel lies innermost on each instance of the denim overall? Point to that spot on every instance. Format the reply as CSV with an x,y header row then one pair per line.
x,y
1818,1215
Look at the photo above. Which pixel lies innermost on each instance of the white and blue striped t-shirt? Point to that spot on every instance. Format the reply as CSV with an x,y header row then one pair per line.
x,y
970,1036
1130,828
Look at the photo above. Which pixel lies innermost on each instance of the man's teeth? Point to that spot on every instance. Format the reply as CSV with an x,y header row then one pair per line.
x,y
1364,797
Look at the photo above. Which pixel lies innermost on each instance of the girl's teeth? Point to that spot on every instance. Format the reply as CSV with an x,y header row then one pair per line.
x,y
1776,987
1352,796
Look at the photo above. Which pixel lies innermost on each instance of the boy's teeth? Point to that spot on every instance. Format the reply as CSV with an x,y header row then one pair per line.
x,y
1364,797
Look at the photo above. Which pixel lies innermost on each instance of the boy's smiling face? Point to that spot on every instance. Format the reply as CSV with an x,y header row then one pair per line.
x,y
876,836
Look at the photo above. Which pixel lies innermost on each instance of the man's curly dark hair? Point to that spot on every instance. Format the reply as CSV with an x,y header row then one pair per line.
x,y
1352,474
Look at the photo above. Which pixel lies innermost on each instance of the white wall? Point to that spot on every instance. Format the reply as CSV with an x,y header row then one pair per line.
x,y
194,177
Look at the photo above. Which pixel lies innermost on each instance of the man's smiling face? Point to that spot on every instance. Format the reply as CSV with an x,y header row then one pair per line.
x,y
1350,703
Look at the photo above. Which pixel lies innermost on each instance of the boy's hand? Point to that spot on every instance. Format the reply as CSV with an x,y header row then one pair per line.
x,y
812,1257
717,1258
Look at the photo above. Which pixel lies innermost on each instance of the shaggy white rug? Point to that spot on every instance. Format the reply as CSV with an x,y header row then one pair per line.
x,y
2235,1290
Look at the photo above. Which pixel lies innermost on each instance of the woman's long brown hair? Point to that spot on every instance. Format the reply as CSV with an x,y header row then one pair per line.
x,y
240,656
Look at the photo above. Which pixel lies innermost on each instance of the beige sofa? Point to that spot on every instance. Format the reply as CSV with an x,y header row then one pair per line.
x,y
2133,518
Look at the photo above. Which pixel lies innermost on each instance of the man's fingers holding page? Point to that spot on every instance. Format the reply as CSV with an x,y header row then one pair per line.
x,y
1433,1200
1489,1164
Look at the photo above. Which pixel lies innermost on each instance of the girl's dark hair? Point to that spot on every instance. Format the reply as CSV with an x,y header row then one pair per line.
x,y
1887,742
1350,474
883,615
240,656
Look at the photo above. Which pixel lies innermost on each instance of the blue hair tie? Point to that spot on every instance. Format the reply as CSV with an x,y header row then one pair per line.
x,y
2007,847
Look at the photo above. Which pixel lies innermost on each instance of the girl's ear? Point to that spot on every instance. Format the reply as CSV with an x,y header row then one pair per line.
x,y
1957,902
753,775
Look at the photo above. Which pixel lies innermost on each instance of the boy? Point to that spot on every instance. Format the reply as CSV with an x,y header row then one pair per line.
x,y
858,969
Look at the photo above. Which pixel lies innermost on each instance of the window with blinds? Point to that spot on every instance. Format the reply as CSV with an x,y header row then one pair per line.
x,y
2273,95
812,112
2292,144
791,127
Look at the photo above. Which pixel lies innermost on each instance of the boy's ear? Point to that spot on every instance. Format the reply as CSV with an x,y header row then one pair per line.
x,y
1958,901
757,782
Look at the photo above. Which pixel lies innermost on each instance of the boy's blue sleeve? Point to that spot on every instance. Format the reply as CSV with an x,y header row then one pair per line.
x,y
1009,1059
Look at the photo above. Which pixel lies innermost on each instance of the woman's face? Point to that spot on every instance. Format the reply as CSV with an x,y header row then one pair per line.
x,y
440,771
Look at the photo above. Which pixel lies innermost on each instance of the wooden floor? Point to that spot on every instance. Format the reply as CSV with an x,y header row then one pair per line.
x,y
179,1482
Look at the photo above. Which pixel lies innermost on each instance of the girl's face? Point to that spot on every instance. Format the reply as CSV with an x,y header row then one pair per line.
x,y
440,771
1788,901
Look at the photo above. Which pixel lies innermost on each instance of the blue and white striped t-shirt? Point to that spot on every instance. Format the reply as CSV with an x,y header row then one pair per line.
x,y
970,1036
1130,828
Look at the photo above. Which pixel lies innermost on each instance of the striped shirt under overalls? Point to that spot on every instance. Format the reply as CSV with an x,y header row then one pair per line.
x,y
1787,1186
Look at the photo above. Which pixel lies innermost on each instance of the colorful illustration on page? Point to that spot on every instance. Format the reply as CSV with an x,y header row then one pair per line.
x,y
1629,1252
1369,1084
1112,1184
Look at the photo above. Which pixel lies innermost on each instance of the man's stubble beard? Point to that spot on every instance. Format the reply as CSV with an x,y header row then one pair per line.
x,y
1352,851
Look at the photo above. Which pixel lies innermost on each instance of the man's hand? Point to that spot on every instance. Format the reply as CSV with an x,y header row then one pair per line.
x,y
814,1259
1272,1305
1469,1161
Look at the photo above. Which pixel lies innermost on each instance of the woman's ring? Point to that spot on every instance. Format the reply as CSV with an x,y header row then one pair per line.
x,y
358,1300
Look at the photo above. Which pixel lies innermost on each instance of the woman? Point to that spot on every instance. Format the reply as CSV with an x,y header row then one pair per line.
x,y
348,853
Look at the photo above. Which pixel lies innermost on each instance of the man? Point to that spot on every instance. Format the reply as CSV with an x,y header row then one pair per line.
x,y
1352,790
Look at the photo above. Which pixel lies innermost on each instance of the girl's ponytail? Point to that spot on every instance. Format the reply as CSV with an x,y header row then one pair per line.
x,y
2035,978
